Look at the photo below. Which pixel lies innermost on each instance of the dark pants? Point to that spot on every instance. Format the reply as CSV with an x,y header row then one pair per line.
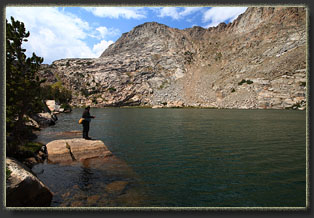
x,y
85,129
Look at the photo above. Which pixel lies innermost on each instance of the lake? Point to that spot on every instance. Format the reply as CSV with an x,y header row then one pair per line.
x,y
185,158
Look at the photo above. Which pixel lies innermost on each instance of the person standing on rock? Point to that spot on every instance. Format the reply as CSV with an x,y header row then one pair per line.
x,y
87,118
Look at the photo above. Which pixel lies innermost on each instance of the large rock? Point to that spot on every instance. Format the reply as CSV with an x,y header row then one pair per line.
x,y
23,189
176,104
69,150
31,122
53,106
45,119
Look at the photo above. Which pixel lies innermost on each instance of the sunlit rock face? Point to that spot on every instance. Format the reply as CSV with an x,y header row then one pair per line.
x,y
257,61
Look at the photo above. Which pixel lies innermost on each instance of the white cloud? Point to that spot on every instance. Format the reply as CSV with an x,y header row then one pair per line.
x,y
55,34
169,12
176,13
216,15
117,12
103,32
189,10
99,48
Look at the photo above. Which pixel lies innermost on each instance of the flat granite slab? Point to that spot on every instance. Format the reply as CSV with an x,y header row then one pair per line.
x,y
77,149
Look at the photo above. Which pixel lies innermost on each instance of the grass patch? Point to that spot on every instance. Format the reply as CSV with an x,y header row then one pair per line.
x,y
31,147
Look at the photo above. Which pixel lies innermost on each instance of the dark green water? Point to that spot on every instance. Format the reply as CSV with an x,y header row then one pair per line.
x,y
194,157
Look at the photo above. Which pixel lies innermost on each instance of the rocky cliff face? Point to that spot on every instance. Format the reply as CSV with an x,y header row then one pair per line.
x,y
257,61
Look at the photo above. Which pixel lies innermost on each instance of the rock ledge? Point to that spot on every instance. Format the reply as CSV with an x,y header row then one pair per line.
x,y
69,150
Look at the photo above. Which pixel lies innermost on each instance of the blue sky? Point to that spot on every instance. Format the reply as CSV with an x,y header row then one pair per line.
x,y
85,32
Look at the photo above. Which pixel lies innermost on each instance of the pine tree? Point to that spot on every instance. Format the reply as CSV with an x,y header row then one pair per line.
x,y
22,84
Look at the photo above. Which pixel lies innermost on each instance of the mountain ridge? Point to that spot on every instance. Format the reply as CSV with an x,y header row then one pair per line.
x,y
256,61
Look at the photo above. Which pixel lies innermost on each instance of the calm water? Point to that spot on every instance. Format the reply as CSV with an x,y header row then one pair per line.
x,y
187,158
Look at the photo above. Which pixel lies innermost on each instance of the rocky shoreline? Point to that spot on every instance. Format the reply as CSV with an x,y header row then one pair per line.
x,y
23,188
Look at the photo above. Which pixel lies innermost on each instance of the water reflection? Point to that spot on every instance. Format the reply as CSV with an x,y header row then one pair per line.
x,y
85,179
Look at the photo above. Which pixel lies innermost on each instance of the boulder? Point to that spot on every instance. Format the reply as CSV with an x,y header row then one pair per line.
x,y
157,106
45,119
23,188
289,103
175,104
116,187
31,122
53,106
77,149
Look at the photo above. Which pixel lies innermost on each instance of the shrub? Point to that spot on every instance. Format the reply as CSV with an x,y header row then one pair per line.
x,y
188,57
84,92
112,89
163,85
31,147
242,81
56,92
218,56
95,100
249,81
66,107
245,81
